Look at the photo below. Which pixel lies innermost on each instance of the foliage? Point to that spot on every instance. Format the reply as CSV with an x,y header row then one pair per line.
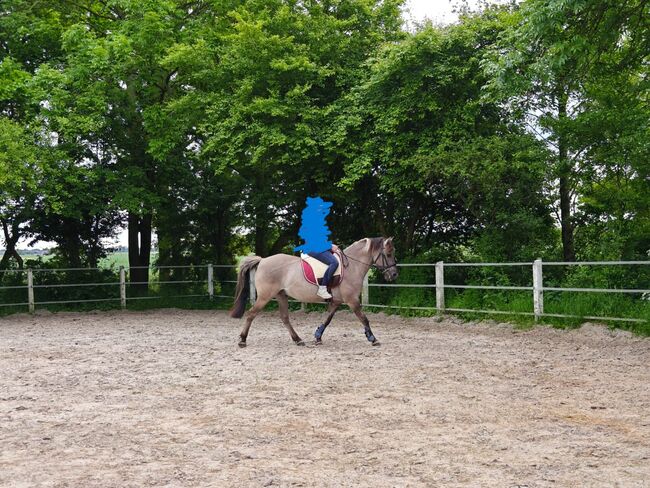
x,y
446,166
519,132
578,71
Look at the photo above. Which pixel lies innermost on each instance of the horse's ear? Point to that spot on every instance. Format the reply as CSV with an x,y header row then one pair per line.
x,y
388,244
366,246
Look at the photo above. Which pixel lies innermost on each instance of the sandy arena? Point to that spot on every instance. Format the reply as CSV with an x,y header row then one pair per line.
x,y
166,398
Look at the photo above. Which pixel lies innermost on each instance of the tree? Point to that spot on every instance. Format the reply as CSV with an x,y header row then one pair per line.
x,y
281,68
19,176
113,80
75,210
553,62
22,141
447,166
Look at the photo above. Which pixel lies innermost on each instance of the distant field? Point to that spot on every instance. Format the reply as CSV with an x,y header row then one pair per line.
x,y
35,256
115,259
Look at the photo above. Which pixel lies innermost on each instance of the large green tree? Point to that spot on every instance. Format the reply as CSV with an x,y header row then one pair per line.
x,y
282,67
209,122
563,63
19,176
29,36
445,166
113,83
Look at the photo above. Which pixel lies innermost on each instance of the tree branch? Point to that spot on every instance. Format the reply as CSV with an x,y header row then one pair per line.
x,y
90,11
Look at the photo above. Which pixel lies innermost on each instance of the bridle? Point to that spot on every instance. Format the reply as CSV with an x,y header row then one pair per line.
x,y
384,266
384,262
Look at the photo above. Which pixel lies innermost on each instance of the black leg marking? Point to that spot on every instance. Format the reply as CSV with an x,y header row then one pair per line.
x,y
332,307
366,324
369,334
319,332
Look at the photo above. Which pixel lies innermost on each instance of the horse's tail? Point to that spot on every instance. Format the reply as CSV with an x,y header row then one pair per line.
x,y
242,291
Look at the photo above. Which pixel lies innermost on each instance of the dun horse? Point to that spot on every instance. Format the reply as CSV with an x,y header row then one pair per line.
x,y
280,276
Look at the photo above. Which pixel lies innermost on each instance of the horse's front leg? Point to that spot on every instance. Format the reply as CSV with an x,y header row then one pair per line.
x,y
356,308
331,308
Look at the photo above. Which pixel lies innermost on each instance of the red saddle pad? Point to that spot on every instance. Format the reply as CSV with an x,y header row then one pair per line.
x,y
310,276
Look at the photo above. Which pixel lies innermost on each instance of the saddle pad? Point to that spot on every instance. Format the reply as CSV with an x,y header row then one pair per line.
x,y
313,269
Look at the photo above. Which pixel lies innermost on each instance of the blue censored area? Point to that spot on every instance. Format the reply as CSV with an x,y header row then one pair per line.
x,y
313,228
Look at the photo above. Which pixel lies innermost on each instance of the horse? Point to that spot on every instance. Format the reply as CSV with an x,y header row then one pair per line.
x,y
280,276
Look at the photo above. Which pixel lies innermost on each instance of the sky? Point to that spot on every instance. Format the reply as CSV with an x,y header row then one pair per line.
x,y
438,11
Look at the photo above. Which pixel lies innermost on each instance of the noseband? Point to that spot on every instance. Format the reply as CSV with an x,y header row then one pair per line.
x,y
384,262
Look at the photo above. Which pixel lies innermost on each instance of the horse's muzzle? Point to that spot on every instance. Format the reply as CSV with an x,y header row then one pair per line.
x,y
391,275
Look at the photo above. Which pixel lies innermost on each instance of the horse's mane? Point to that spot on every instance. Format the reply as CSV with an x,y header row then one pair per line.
x,y
376,243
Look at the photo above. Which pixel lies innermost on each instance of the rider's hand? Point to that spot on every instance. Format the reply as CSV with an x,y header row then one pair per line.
x,y
335,247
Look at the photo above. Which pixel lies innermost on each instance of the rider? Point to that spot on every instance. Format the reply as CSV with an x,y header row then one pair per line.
x,y
328,258
315,233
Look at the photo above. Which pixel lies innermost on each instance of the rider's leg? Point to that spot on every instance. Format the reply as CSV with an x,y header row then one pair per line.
x,y
332,264
325,257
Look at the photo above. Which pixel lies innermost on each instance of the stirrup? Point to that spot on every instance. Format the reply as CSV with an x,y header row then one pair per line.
x,y
323,293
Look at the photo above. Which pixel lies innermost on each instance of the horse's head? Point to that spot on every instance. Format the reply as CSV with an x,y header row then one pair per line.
x,y
382,253
390,272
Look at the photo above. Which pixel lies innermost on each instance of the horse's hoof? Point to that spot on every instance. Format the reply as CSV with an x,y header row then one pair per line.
x,y
300,343
376,343
242,344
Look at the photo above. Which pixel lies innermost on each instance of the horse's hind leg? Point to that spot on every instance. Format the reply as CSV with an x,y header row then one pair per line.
x,y
257,307
283,305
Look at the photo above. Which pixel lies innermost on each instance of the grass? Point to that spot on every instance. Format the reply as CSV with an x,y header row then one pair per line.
x,y
520,306
115,260
516,306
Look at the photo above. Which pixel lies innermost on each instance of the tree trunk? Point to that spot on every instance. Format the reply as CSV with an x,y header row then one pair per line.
x,y
71,245
139,235
564,172
410,229
11,239
262,218
261,232
366,191
94,245
166,256
219,241
139,220
565,214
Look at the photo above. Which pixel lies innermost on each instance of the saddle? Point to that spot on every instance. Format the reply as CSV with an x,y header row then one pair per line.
x,y
313,270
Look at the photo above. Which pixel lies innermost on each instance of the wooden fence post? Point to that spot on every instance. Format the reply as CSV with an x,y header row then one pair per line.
x,y
440,287
210,281
538,289
122,288
365,292
30,290
253,293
